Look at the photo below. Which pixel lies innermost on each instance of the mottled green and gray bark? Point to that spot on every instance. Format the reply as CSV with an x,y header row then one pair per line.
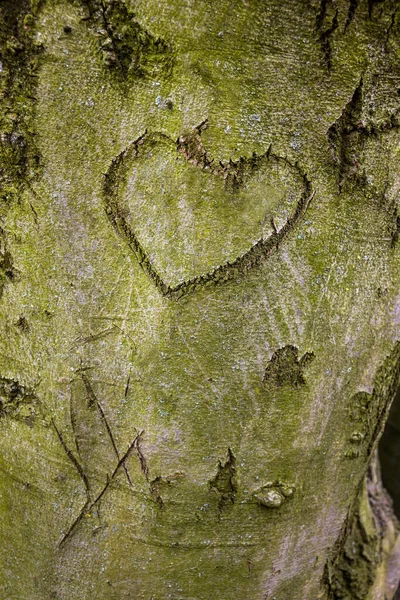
x,y
200,304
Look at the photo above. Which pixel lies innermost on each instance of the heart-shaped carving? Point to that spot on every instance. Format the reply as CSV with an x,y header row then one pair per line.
x,y
190,220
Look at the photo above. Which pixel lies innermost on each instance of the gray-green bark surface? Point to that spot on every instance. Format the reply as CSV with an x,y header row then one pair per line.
x,y
200,304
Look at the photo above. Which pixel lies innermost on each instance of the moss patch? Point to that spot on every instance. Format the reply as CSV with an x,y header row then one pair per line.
x,y
19,154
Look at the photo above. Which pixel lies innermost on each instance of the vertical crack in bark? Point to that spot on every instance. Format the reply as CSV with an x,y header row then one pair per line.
x,y
386,383
366,541
346,137
224,482
127,386
368,412
353,5
371,6
396,230
351,566
327,23
126,47
391,27
350,569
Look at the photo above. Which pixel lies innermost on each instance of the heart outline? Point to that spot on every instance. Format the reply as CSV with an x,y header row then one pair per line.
x,y
228,270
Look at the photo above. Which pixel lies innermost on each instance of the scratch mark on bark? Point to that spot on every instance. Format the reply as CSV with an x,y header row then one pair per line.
x,y
127,386
207,377
93,400
80,341
88,506
73,459
153,483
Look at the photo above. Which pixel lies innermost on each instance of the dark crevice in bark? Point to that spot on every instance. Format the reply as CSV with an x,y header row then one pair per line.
x,y
126,47
23,324
389,453
353,5
285,368
321,14
391,27
8,272
386,383
233,173
371,5
351,566
347,137
224,482
19,55
19,154
396,230
18,402
327,23
368,412
350,571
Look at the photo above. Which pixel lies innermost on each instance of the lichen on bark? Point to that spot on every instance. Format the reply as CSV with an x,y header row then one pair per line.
x,y
166,434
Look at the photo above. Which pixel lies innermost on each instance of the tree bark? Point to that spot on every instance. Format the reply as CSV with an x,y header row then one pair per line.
x,y
200,301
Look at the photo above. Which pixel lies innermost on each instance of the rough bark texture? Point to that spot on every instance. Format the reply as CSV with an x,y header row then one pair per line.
x,y
200,309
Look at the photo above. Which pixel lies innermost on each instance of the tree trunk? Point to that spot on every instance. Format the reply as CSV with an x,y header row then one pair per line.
x,y
200,305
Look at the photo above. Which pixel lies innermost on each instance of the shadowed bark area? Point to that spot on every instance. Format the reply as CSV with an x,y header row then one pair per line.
x,y
389,454
199,298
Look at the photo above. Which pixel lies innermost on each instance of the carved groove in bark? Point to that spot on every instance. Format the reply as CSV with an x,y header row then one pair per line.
x,y
231,173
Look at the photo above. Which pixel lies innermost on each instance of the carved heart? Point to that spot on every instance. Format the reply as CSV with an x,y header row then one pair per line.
x,y
190,220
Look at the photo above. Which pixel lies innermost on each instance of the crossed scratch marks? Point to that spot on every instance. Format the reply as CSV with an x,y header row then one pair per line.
x,y
92,501
91,504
